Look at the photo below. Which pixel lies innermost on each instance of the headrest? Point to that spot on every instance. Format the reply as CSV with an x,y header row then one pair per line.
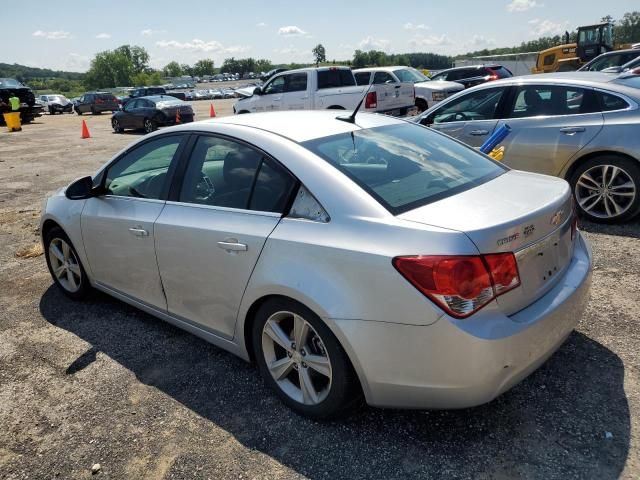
x,y
240,167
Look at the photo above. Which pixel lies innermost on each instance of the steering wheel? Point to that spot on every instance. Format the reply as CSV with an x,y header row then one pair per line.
x,y
205,190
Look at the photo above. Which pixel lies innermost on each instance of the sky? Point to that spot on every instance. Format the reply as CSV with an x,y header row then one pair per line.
x,y
66,34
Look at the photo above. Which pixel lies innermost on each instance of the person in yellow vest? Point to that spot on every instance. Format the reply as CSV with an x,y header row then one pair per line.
x,y
14,102
12,118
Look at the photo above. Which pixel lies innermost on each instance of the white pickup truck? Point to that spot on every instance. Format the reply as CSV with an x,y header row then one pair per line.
x,y
325,88
428,92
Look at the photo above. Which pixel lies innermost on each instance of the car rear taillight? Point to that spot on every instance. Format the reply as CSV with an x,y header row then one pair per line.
x,y
460,285
371,101
493,76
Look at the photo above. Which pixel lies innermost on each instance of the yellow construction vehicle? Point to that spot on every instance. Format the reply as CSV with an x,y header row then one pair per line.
x,y
592,40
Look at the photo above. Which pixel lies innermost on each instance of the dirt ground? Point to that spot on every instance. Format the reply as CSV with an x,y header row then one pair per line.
x,y
100,382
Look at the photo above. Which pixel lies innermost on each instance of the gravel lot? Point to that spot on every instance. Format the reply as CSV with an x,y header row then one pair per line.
x,y
100,382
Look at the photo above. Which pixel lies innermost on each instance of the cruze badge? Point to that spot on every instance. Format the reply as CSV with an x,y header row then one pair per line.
x,y
557,217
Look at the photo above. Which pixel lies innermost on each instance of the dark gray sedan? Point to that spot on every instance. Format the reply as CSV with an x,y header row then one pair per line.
x,y
148,113
581,126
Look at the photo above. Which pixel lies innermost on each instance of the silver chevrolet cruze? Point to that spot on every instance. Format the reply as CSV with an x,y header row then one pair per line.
x,y
580,126
374,258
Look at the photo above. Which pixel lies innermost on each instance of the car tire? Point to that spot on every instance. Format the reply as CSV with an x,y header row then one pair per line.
x,y
51,112
421,104
64,265
607,189
332,385
115,124
149,125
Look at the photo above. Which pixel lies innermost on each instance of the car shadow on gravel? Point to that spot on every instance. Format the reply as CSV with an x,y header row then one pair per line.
x,y
630,229
569,419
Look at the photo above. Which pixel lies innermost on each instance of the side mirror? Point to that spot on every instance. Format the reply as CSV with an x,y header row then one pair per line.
x,y
80,189
257,91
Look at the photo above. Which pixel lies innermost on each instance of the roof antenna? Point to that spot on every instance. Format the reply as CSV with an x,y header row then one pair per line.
x,y
352,118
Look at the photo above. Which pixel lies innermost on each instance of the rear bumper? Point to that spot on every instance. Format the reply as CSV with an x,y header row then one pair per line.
x,y
463,363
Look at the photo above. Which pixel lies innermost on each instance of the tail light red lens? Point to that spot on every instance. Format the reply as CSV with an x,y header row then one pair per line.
x,y
371,101
460,285
493,76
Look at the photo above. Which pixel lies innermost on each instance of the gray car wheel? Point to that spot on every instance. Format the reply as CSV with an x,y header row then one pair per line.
x,y
606,189
115,124
64,264
149,125
302,361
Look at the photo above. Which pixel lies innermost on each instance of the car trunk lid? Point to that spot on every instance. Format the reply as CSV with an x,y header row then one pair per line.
x,y
524,213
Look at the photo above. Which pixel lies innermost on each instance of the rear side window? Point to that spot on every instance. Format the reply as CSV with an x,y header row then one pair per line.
x,y
380,78
335,77
542,100
362,78
405,166
612,102
106,97
549,59
296,82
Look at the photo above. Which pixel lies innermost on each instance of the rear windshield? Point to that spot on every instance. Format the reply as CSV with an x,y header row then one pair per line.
x,y
501,72
10,83
633,82
405,166
107,97
338,77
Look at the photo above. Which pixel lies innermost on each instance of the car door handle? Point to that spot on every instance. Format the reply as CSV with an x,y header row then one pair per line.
x,y
478,133
572,130
139,232
232,245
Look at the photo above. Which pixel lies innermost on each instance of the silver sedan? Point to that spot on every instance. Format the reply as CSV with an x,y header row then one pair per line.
x,y
375,258
580,126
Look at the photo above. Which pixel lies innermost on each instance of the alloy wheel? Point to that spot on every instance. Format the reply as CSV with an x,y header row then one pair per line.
x,y
605,191
148,126
116,126
65,265
296,358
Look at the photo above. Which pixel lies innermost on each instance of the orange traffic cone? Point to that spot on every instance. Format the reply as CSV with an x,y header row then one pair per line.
x,y
178,119
212,112
85,130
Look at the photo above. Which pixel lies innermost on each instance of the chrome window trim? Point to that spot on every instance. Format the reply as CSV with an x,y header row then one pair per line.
x,y
225,209
123,197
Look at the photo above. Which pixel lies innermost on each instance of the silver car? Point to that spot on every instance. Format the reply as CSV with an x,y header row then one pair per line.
x,y
377,258
580,126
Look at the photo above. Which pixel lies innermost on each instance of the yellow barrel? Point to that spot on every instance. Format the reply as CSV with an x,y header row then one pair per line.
x,y
13,121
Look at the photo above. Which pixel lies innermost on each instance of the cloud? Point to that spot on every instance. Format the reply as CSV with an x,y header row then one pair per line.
x,y
197,45
57,35
373,43
541,28
291,31
422,41
522,5
481,41
103,35
74,62
261,24
411,26
148,32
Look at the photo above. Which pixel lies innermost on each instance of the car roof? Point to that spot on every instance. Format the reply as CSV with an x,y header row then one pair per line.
x,y
295,125
160,98
584,79
383,69
488,65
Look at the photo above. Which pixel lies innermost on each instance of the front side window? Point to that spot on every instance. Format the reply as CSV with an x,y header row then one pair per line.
x,y
142,173
275,86
479,105
226,173
405,166
542,100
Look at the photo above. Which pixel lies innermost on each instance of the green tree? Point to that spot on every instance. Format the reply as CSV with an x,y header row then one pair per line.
x,y
203,67
627,29
116,68
172,69
319,54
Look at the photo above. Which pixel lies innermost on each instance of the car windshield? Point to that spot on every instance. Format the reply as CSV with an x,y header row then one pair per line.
x,y
10,83
405,166
410,75
57,98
